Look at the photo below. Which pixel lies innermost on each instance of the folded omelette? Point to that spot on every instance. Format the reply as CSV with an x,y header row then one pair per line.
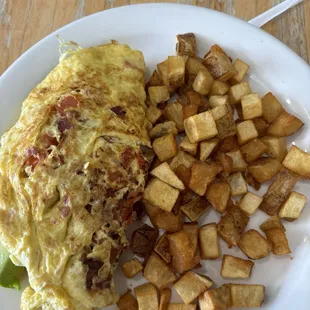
x,y
71,169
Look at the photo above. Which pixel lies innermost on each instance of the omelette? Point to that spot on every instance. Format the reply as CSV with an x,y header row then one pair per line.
x,y
71,169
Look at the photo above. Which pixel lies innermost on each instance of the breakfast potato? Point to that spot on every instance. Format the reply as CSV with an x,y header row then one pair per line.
x,y
186,44
194,98
195,208
216,299
271,223
261,126
278,191
219,88
158,273
200,127
165,147
160,194
254,245
193,66
236,92
272,108
164,300
237,184
127,302
202,175
250,203
284,125
292,207
226,162
163,129
218,195
278,240
162,69
250,180
217,100
232,225
251,106
147,297
174,113
298,162
162,249
219,111
167,175
153,114
203,82
181,307
191,285
184,174
226,126
236,268
189,147
131,268
228,144
182,158
206,148
246,131
241,68
276,147
264,169
158,94
154,80
253,150
176,71
192,231
189,111
247,295
238,163
208,241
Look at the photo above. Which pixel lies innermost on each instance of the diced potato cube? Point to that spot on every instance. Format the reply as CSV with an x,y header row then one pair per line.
x,y
182,158
247,295
162,249
209,243
174,112
189,111
159,94
162,69
192,231
228,144
298,162
292,207
194,98
250,203
186,44
237,184
220,111
251,181
195,208
253,150
181,307
191,285
226,162
206,148
278,240
236,92
276,147
241,68
165,295
219,88
176,71
184,174
200,127
165,147
153,114
271,223
163,129
202,175
147,297
203,82
154,80
193,66
161,194
131,268
218,195
226,126
216,299
189,147
285,125
264,169
254,245
236,268
246,131
272,108
238,162
127,302
261,126
251,106
216,100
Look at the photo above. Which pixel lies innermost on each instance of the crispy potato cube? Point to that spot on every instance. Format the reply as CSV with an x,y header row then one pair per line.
x,y
246,131
220,111
254,245
216,100
251,106
131,268
147,297
298,162
154,80
174,112
236,268
160,194
236,92
232,225
192,231
181,307
216,299
251,181
238,162
271,223
206,148
194,98
176,71
167,175
184,174
219,88
163,129
191,285
276,147
193,66
253,150
237,184
228,144
153,114
208,241
292,207
158,273
189,147
200,127
127,302
278,191
272,108
165,147
189,111
241,68
165,296
285,125
278,240
226,162
159,94
182,158
186,44
162,69
195,208
264,169
203,82
226,126
202,175
261,126
249,203
218,195
162,249
247,295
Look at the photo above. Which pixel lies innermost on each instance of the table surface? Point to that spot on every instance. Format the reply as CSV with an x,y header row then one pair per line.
x,y
25,22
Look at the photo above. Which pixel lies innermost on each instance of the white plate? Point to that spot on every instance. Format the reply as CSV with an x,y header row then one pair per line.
x,y
152,29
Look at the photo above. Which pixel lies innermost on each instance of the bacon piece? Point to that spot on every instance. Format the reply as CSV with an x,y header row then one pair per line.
x,y
68,102
63,124
49,140
34,156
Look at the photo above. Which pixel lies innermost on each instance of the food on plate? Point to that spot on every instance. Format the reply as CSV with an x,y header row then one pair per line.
x,y
203,82
147,297
261,126
276,147
272,222
165,147
292,207
272,108
218,100
253,150
163,129
238,163
176,71
242,69
131,268
164,299
236,92
278,240
192,231
127,302
264,169
195,208
218,194
250,203
189,147
206,148
209,242
186,45
162,249
174,112
216,299
182,158
246,131
251,106
181,307
219,88
236,268
158,94
153,114
237,184
247,295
